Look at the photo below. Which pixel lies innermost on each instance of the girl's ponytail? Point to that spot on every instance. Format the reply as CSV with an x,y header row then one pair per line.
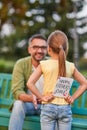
x,y
62,66
58,42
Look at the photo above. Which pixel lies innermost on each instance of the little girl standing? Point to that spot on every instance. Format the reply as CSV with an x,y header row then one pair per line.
x,y
56,109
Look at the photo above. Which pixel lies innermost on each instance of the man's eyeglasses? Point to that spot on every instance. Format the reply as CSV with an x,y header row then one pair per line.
x,y
39,47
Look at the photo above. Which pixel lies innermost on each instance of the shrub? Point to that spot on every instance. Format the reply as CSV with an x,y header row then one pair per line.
x,y
6,66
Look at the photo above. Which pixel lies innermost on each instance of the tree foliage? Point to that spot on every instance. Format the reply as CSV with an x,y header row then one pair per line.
x,y
28,17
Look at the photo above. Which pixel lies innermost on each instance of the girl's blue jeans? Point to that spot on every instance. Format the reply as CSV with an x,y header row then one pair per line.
x,y
52,114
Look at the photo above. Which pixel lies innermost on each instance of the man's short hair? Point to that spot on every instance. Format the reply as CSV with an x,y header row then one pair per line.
x,y
36,36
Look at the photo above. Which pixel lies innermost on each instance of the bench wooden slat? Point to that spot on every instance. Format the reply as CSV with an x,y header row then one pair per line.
x,y
6,102
83,100
80,108
5,81
79,124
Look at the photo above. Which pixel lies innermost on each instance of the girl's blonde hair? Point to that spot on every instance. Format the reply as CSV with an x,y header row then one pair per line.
x,y
58,42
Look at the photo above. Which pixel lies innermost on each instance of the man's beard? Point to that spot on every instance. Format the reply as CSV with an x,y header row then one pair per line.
x,y
39,59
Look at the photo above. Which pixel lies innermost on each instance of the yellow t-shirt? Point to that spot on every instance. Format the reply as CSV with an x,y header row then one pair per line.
x,y
50,74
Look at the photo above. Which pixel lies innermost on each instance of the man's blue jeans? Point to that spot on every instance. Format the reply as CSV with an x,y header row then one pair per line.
x,y
19,111
52,114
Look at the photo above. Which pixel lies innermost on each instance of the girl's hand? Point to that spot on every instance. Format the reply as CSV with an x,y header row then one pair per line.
x,y
69,99
48,97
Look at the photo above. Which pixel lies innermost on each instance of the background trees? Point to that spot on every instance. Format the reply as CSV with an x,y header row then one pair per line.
x,y
22,18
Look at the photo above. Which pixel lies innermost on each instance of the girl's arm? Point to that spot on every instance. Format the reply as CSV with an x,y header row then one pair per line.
x,y
33,79
83,86
31,85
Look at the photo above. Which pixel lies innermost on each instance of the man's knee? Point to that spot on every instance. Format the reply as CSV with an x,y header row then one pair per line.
x,y
18,106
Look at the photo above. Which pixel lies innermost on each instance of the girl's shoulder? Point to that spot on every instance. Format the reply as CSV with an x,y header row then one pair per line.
x,y
69,63
70,67
48,61
44,61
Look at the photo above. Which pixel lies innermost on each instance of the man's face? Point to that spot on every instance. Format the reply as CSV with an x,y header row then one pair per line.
x,y
38,49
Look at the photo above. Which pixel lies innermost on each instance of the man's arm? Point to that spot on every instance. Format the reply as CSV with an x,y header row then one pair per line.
x,y
25,97
19,83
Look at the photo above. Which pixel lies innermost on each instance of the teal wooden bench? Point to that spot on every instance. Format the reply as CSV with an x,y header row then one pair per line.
x,y
6,99
79,108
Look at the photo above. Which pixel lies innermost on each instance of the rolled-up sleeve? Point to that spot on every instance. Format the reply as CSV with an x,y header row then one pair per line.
x,y
18,84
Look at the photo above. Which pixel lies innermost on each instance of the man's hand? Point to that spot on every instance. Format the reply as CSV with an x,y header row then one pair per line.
x,y
34,101
38,101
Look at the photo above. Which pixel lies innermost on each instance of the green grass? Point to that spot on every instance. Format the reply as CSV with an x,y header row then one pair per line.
x,y
84,72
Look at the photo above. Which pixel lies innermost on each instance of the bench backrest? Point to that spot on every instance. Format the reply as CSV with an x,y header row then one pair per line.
x,y
5,89
80,105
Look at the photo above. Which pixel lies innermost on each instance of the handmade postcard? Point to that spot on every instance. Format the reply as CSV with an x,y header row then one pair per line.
x,y
63,86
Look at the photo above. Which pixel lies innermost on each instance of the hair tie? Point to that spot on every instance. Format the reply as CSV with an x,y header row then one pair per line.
x,y
60,47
